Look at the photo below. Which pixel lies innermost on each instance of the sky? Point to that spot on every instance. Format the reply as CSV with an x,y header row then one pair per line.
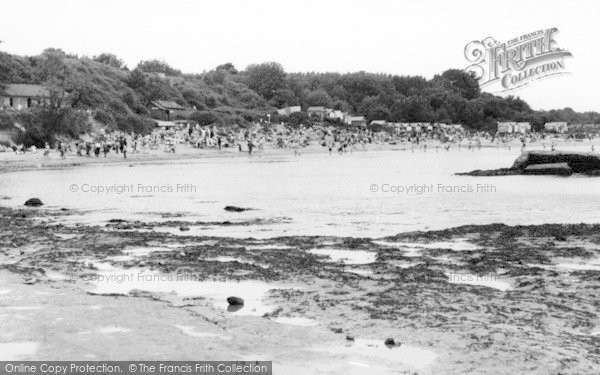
x,y
397,37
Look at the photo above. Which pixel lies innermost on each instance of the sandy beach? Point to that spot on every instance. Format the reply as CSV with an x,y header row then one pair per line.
x,y
10,161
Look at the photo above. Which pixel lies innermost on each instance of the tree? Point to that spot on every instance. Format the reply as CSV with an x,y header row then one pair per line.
x,y
158,66
266,78
319,97
110,60
284,97
227,68
462,82
53,65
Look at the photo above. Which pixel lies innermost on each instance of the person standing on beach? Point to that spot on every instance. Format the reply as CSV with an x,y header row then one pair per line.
x,y
250,146
329,141
219,142
124,148
61,149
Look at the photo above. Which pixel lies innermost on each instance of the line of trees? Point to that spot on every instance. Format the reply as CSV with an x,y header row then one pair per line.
x,y
120,98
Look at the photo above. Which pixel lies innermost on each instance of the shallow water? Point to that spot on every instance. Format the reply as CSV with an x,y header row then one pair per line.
x,y
254,293
571,265
144,251
106,330
296,321
593,265
193,332
346,256
11,351
371,353
488,281
317,194
414,247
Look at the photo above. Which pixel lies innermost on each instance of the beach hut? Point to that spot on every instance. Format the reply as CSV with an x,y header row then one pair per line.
x,y
166,110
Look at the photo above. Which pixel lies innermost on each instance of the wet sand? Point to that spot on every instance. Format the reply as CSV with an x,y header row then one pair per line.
x,y
466,300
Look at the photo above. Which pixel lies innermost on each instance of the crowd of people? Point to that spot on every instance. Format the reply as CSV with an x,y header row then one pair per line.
x,y
262,135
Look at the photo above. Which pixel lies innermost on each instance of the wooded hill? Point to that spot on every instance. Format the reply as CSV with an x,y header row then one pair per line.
x,y
120,98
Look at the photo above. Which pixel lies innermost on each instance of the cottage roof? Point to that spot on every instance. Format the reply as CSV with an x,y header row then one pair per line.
x,y
166,104
26,90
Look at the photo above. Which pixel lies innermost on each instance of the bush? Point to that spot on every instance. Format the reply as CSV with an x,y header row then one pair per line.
x,y
205,118
104,117
46,125
134,123
298,118
6,122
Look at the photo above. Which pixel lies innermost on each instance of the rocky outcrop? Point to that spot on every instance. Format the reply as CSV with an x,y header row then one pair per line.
x,y
236,209
557,163
492,172
560,169
579,162
34,202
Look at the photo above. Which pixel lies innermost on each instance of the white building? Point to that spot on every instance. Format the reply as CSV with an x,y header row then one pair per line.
x,y
556,127
506,127
289,110
522,127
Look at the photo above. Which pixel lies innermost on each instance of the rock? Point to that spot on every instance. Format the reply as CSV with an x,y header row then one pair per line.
x,y
336,330
184,228
559,169
31,281
492,172
349,338
236,209
234,308
140,293
235,301
579,162
390,342
547,163
34,202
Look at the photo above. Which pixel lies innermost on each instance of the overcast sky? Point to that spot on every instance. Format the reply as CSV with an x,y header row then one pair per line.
x,y
397,37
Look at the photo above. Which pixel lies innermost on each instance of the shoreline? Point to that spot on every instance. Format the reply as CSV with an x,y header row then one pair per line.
x,y
397,286
10,162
